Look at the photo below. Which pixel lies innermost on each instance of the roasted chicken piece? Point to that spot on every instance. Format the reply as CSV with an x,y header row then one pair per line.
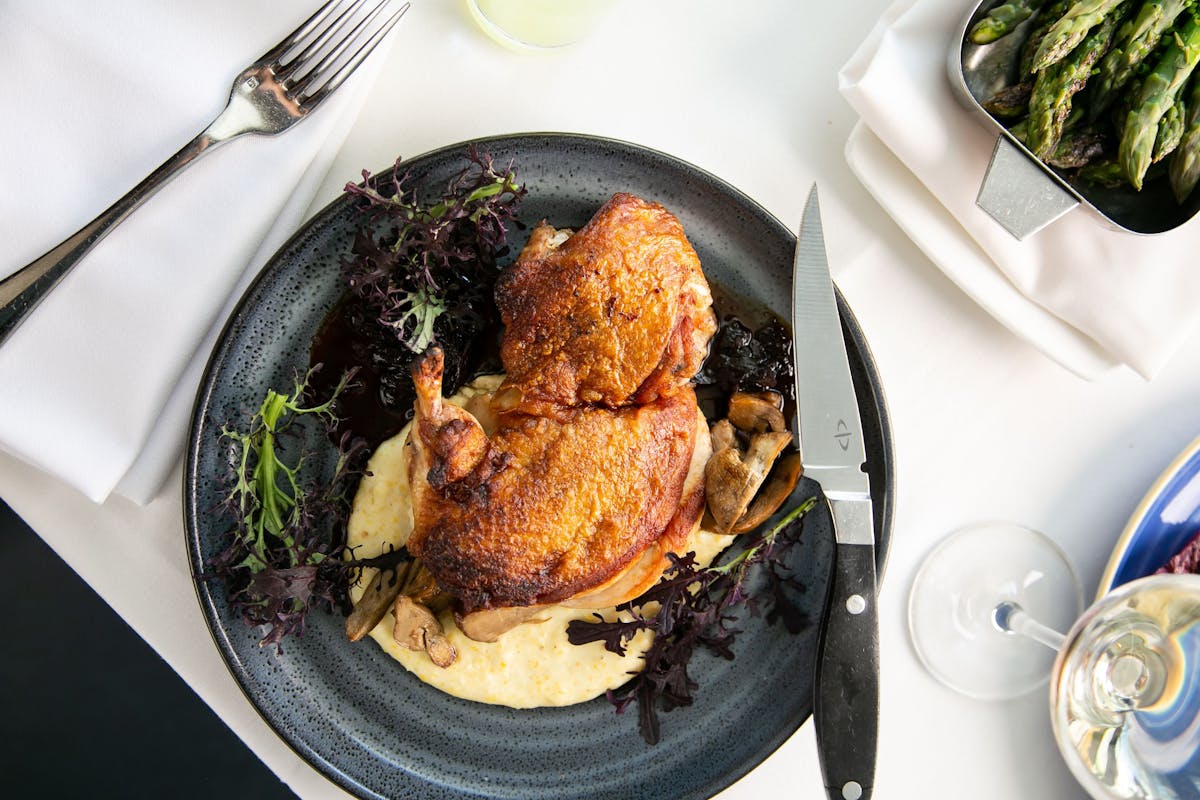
x,y
585,503
594,470
617,313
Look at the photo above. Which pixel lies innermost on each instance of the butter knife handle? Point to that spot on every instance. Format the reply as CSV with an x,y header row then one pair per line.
x,y
846,710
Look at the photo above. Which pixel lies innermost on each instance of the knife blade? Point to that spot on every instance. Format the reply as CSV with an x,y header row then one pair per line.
x,y
846,702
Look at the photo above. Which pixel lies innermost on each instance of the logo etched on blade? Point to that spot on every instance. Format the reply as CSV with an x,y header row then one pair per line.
x,y
843,435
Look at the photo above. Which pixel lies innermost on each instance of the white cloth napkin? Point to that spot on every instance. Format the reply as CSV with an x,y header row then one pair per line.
x,y
1086,295
96,386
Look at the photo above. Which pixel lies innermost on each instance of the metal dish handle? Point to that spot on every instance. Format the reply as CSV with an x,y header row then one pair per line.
x,y
1017,193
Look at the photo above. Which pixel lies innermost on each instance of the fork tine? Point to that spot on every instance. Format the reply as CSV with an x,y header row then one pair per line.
x,y
301,31
311,98
308,78
297,61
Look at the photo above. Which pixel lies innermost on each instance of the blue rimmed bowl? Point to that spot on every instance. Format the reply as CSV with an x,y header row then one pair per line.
x,y
1165,520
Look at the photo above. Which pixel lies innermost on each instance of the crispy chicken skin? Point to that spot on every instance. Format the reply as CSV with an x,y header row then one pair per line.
x,y
595,471
617,313
547,508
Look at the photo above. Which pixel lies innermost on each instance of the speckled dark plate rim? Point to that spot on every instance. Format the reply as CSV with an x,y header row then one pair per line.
x,y
871,400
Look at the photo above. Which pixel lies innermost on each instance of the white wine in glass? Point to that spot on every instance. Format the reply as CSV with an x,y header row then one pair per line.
x,y
1125,692
1125,683
533,25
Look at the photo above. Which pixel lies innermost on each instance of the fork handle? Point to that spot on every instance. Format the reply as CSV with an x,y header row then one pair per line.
x,y
25,288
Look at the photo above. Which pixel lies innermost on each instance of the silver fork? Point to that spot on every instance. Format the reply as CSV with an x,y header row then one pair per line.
x,y
275,92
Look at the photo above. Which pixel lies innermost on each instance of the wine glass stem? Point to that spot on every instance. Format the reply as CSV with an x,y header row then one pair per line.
x,y
1011,617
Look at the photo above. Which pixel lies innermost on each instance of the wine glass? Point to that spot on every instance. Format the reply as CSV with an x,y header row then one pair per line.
x,y
538,25
984,615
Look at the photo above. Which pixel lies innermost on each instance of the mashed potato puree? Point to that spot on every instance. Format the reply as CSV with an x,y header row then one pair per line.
x,y
533,664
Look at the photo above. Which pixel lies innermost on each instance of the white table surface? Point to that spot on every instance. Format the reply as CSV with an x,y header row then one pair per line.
x,y
984,425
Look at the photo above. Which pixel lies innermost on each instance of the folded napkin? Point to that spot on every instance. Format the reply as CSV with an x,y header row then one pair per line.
x,y
96,386
1087,296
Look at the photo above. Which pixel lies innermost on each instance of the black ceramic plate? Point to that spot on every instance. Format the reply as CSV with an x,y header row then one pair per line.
x,y
358,716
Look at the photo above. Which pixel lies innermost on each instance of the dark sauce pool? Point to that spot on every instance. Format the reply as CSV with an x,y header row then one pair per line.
x,y
751,351
379,401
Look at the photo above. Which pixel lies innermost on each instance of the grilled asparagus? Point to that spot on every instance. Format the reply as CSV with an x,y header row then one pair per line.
x,y
1134,42
1071,29
1055,86
1184,167
1002,19
1170,131
1041,26
1158,94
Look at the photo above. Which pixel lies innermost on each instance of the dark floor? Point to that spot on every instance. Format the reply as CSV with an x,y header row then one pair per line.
x,y
87,709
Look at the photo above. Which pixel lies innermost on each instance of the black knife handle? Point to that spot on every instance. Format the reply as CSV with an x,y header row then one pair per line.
x,y
846,711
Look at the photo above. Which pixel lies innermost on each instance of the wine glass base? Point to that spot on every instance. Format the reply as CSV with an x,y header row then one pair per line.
x,y
952,605
537,26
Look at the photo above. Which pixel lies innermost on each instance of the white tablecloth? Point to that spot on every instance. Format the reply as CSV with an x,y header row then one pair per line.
x,y
984,425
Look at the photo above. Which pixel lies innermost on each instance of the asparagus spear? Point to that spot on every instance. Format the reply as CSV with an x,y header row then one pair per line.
x,y
1010,102
1068,32
1134,42
1002,19
1106,173
1184,167
1157,95
1170,131
1053,89
1125,103
1078,148
1041,26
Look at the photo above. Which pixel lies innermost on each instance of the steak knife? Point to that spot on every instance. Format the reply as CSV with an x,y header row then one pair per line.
x,y
846,703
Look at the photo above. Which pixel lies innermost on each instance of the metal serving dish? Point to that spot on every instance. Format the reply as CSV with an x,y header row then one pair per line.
x,y
1019,191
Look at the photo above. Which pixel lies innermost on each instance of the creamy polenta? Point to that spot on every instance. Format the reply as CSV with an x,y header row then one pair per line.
x,y
533,664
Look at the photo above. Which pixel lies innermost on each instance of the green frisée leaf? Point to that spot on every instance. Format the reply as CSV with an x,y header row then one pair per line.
x,y
287,530
423,308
